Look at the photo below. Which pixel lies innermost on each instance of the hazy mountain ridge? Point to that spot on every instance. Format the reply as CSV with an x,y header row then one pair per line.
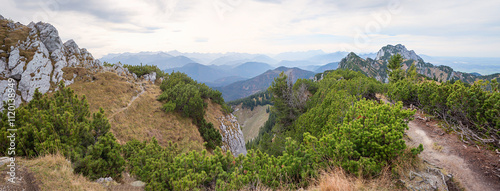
x,y
160,59
482,65
261,82
214,75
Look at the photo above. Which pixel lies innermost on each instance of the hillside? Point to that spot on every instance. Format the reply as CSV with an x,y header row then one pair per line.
x,y
216,76
329,66
70,122
377,67
140,118
252,112
200,72
251,120
261,82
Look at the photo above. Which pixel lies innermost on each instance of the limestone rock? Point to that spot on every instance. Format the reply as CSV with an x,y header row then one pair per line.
x,y
36,75
16,77
390,50
37,61
71,47
150,77
232,136
49,36
4,91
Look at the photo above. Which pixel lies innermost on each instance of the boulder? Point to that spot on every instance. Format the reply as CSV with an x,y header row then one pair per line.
x,y
49,36
150,77
71,47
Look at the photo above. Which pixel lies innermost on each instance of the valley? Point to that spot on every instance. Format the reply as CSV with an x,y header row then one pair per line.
x,y
251,120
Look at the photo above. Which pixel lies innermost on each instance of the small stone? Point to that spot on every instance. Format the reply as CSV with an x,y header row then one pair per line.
x,y
138,183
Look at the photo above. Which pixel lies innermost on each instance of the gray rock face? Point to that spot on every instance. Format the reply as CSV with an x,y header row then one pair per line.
x,y
150,77
49,36
72,47
36,75
232,136
389,50
42,69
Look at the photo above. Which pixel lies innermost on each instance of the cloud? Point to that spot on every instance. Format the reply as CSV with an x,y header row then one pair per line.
x,y
460,27
201,39
100,9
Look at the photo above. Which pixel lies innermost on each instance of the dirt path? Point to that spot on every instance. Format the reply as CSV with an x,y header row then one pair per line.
x,y
143,89
468,164
473,167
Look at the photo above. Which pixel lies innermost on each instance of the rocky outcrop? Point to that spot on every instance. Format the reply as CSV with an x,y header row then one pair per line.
x,y
387,51
37,60
232,136
150,77
121,71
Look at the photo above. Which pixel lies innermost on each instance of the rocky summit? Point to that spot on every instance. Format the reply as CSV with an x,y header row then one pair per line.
x,y
377,68
386,52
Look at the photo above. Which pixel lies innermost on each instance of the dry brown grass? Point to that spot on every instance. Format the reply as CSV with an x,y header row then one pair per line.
x,y
9,37
54,172
81,74
336,179
144,119
108,90
213,112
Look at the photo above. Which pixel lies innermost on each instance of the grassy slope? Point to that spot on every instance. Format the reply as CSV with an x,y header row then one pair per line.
x,y
251,121
108,90
143,119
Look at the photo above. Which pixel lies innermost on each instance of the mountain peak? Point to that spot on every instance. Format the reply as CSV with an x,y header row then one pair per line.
x,y
387,51
351,55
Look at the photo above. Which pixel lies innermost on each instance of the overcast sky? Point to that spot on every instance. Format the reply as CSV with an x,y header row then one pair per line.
x,y
437,28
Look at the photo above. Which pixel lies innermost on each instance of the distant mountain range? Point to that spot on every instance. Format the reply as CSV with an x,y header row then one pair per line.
x,y
242,74
261,82
175,59
217,70
214,75
482,65
160,59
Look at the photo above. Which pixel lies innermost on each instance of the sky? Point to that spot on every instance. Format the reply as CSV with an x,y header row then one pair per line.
x,y
463,28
